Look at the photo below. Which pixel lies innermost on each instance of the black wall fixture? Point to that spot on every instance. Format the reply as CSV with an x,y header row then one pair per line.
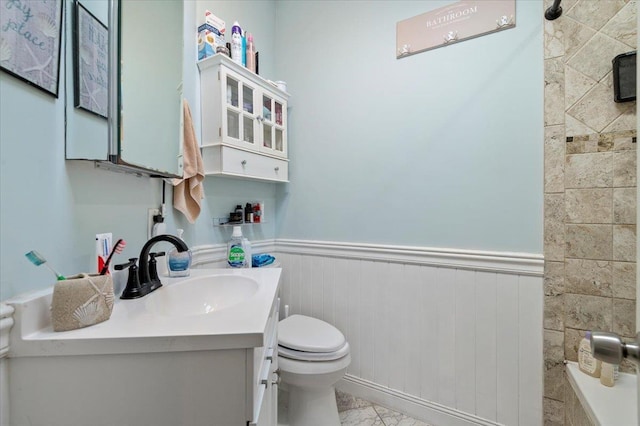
x,y
554,11
624,77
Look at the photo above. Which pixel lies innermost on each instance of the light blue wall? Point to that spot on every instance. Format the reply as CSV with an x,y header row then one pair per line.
x,y
440,149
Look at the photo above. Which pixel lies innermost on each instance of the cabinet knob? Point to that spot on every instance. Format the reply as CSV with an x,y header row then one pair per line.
x,y
276,168
243,162
275,378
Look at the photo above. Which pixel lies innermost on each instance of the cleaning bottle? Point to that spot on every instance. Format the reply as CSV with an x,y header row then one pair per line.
x,y
179,262
586,362
236,43
236,249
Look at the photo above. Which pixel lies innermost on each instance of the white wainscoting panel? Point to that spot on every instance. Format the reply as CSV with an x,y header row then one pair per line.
x,y
460,341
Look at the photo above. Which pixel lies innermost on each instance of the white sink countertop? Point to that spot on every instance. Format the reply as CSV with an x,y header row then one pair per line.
x,y
135,328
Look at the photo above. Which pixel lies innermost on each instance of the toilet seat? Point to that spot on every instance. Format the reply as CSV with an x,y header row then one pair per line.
x,y
311,335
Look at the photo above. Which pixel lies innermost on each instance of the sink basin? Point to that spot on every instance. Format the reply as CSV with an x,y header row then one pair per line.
x,y
201,295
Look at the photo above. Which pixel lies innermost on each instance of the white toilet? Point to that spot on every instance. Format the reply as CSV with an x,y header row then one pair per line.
x,y
312,356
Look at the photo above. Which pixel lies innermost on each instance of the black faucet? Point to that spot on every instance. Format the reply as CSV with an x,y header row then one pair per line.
x,y
141,280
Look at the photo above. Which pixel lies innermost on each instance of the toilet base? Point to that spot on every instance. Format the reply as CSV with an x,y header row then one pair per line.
x,y
313,407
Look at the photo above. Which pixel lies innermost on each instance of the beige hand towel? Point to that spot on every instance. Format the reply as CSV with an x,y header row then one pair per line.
x,y
188,191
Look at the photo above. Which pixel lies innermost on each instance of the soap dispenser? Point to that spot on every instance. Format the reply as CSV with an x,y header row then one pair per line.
x,y
179,262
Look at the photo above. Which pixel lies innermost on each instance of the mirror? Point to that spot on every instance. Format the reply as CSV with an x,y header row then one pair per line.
x,y
143,131
148,131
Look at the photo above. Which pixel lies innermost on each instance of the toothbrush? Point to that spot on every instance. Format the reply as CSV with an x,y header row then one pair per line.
x,y
37,259
117,248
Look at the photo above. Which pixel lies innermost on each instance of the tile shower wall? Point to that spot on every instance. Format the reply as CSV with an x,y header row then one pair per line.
x,y
589,187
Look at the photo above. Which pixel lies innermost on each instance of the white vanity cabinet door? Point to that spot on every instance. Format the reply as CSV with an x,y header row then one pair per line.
x,y
242,110
264,406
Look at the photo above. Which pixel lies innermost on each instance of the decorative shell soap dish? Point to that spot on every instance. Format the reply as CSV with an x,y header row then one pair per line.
x,y
81,300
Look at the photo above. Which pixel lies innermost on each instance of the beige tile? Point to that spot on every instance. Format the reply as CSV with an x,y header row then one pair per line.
x,y
624,205
553,278
589,242
624,243
595,108
553,318
554,228
553,364
624,317
624,168
553,412
593,170
575,35
606,142
589,205
572,338
623,25
626,121
595,14
589,59
553,91
623,141
591,277
575,127
582,144
588,312
553,39
576,86
624,280
554,148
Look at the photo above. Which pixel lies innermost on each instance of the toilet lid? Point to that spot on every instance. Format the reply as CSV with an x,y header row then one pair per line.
x,y
302,333
313,356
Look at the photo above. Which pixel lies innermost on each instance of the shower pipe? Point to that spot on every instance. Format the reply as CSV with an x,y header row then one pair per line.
x,y
554,11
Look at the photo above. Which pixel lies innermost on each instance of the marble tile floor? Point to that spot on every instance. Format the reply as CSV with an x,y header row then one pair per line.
x,y
354,411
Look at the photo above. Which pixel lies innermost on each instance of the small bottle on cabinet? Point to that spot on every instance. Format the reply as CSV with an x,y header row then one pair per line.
x,y
236,43
251,53
248,213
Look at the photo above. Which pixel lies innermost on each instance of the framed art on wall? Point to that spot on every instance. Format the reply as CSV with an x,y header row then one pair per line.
x,y
90,49
30,35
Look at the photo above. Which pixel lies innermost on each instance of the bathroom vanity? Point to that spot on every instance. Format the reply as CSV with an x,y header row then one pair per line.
x,y
184,354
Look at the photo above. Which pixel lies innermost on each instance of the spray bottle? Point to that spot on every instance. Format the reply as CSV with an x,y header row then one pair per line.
x,y
236,43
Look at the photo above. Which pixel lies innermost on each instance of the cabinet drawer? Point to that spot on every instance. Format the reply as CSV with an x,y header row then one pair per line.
x,y
225,160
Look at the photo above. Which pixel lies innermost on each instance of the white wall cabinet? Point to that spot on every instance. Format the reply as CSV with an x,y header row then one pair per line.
x,y
244,122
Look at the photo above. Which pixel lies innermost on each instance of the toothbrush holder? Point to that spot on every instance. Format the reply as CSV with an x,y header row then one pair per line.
x,y
81,300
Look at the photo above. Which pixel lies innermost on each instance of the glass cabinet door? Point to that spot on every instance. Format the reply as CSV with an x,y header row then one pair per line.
x,y
273,126
239,120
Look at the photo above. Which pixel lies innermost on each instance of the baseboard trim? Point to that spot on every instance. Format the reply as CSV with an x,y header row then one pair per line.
x,y
427,411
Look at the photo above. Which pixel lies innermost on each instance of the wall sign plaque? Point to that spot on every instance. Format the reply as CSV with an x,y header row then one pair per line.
x,y
450,24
